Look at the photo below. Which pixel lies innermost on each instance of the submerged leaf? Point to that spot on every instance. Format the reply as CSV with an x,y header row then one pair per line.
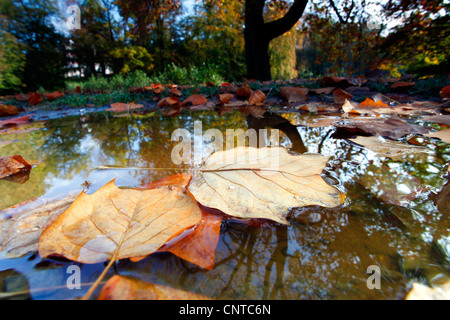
x,y
262,183
21,225
126,288
118,223
390,149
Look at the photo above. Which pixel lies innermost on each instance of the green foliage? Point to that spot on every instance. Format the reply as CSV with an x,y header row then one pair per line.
x,y
190,75
134,58
12,62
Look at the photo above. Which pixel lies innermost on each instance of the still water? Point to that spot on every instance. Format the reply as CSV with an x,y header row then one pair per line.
x,y
395,215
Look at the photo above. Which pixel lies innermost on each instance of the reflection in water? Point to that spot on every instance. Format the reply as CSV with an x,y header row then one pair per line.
x,y
324,252
275,121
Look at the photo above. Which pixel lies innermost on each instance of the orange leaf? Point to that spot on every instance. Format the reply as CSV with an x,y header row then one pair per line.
x,y
256,97
402,84
198,244
10,165
445,92
369,103
244,91
15,121
8,110
180,179
35,98
194,100
126,288
53,95
225,97
121,107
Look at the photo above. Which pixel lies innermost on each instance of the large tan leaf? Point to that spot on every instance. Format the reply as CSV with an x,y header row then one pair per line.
x,y
116,223
262,183
390,149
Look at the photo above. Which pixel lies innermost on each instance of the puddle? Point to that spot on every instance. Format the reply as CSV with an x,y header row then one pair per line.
x,y
395,215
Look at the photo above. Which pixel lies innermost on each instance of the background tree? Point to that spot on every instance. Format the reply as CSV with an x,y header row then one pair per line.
x,y
29,22
259,33
426,29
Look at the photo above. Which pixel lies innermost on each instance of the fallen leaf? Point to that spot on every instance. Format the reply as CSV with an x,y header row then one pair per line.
x,y
35,98
422,292
392,128
244,91
116,223
390,149
256,97
126,288
325,91
402,84
10,165
440,119
294,94
340,96
194,100
242,182
369,103
198,244
349,107
445,92
225,97
121,107
53,95
180,179
21,225
444,135
340,82
15,121
8,110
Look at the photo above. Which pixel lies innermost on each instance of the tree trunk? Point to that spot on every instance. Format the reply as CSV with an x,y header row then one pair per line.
x,y
258,35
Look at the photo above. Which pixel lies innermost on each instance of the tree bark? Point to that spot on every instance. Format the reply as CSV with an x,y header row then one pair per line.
x,y
258,35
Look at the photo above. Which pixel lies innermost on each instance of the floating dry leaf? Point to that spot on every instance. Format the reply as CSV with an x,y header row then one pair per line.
x,y
390,149
10,165
126,288
116,223
444,135
21,225
422,292
262,183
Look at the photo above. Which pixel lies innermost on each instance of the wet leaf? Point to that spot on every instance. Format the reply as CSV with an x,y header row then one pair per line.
x,y
21,225
225,97
243,182
194,100
116,223
387,148
10,165
244,91
8,110
256,97
445,92
126,288
340,96
294,94
392,128
423,292
198,244
444,135
121,107
16,121
53,95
